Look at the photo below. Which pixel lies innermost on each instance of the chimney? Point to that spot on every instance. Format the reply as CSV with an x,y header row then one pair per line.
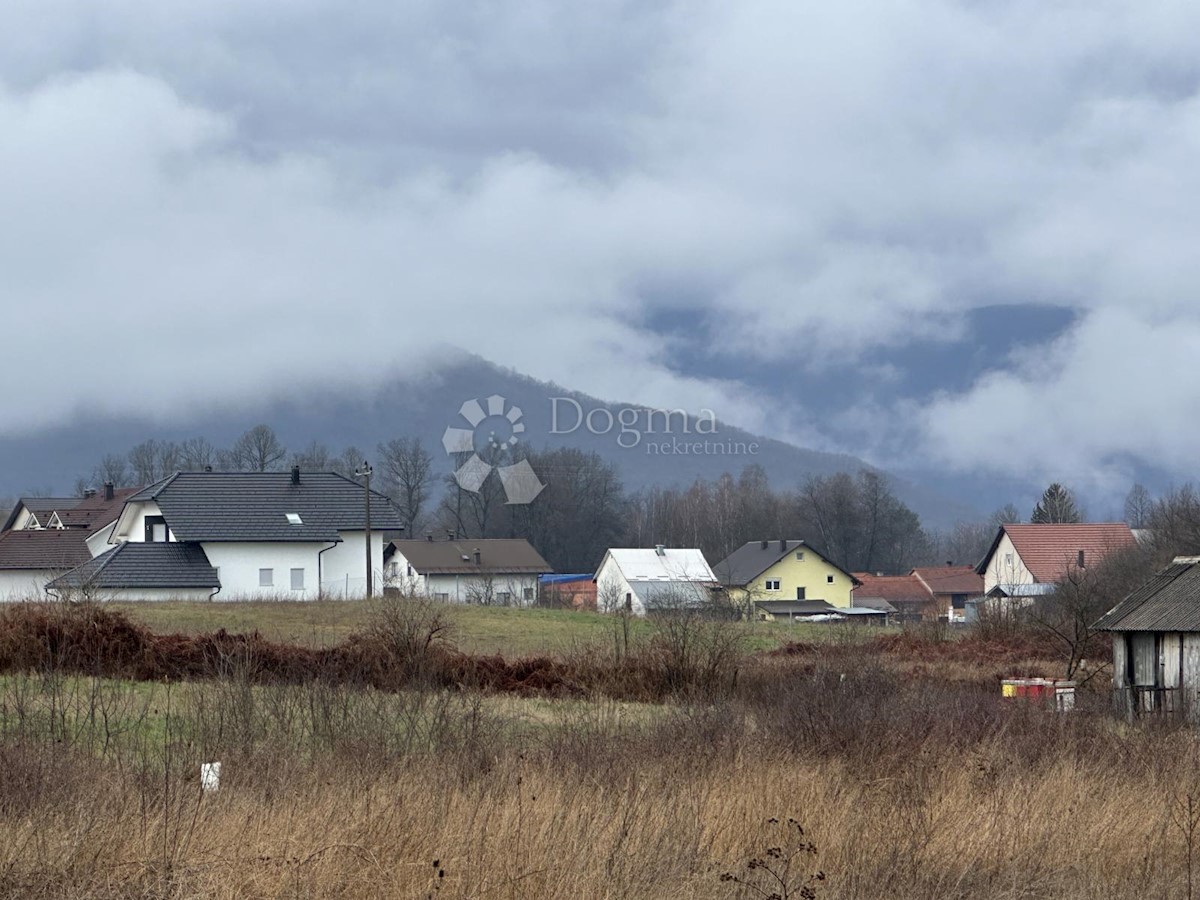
x,y
450,535
429,536
295,474
949,563
108,490
208,468
783,545
764,544
478,557
89,493
660,549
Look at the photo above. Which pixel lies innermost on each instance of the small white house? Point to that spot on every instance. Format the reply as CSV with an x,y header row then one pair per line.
x,y
491,572
263,535
641,580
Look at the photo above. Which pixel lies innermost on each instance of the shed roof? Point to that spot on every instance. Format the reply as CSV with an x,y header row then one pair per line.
x,y
1170,601
1049,550
137,564
254,506
796,607
497,556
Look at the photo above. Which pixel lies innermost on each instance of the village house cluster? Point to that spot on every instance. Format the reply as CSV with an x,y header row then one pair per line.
x,y
307,535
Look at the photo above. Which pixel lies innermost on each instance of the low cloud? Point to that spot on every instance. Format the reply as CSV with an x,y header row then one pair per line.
x,y
217,201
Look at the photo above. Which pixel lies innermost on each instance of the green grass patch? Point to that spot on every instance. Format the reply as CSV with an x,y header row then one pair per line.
x,y
508,631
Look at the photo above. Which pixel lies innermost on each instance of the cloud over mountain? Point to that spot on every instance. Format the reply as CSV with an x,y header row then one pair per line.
x,y
208,202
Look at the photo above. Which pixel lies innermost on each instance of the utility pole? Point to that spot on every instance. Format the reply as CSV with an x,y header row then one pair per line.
x,y
364,472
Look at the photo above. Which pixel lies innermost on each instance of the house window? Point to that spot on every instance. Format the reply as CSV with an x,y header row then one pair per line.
x,y
410,571
156,529
799,593
800,555
829,579
266,578
442,597
1008,560
528,593
504,596
772,584
297,579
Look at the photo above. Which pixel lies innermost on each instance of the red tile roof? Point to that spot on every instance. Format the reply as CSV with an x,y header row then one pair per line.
x,y
1048,550
892,588
951,579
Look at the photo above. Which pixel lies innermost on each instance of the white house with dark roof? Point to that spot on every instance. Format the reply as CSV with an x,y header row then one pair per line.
x,y
501,572
247,535
642,580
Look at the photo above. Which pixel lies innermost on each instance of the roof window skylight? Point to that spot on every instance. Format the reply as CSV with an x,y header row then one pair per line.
x,y
294,519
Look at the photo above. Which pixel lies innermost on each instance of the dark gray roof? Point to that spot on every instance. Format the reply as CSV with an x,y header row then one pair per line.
x,y
497,556
52,549
750,560
1170,601
135,564
253,506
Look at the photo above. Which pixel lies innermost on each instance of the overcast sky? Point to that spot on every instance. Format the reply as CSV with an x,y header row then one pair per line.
x,y
959,235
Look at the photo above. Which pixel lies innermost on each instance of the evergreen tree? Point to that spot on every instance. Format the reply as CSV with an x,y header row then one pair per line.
x,y
1057,506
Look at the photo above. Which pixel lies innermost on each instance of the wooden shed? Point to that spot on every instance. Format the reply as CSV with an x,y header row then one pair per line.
x,y
1156,643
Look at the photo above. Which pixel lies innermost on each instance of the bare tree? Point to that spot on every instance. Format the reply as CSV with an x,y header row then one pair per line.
x,y
1083,596
112,468
258,450
1138,507
408,477
314,458
196,454
348,461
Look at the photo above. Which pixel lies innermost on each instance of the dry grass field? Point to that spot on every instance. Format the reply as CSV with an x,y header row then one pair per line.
x,y
908,774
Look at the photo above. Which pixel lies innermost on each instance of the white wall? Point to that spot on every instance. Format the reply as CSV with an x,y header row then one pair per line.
x,y
612,587
344,567
98,542
1005,567
238,564
159,594
25,584
133,521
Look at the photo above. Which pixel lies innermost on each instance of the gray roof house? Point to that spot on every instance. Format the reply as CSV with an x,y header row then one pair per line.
x,y
1156,643
489,571
279,535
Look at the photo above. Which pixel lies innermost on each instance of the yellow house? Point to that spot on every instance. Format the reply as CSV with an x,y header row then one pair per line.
x,y
783,579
